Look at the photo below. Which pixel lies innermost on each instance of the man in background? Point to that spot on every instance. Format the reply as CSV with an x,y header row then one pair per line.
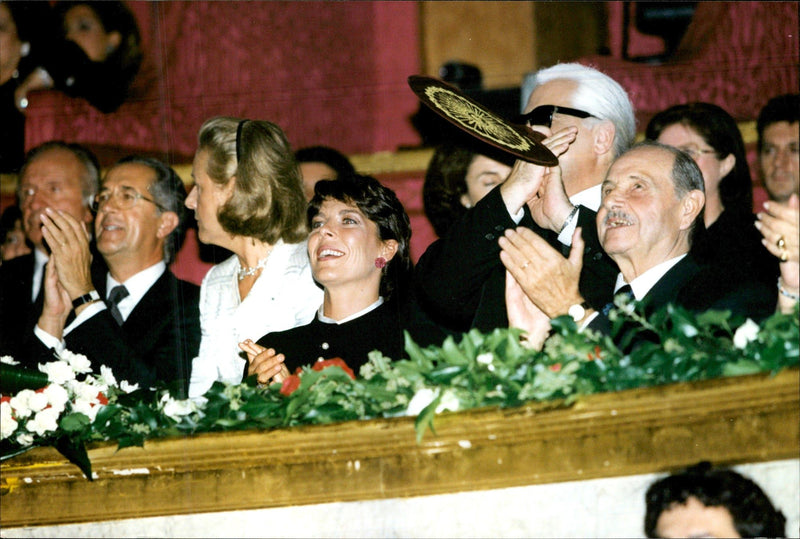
x,y
60,176
147,326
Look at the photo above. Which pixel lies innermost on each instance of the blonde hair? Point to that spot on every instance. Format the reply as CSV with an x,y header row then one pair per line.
x,y
267,201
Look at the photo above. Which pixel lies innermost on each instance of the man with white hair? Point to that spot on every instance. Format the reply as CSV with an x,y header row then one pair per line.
x,y
588,119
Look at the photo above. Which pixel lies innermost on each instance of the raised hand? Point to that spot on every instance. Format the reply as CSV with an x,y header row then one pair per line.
x,y
546,277
57,303
523,184
69,246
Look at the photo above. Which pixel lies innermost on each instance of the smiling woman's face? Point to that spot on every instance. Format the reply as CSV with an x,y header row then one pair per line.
x,y
342,247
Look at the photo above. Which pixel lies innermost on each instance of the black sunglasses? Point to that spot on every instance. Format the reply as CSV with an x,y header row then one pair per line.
x,y
543,115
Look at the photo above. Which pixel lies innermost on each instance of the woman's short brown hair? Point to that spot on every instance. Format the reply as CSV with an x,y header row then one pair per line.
x,y
267,201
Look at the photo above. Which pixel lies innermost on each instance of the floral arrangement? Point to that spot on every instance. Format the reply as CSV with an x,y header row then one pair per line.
x,y
72,406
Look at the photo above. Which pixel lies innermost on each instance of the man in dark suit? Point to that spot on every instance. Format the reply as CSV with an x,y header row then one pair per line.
x,y
589,121
653,198
148,328
57,175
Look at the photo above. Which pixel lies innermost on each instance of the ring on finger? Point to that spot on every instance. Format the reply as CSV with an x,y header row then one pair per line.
x,y
525,265
784,255
780,243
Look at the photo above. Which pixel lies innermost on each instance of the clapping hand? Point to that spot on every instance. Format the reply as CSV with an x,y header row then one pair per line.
x,y
264,362
546,277
68,240
525,315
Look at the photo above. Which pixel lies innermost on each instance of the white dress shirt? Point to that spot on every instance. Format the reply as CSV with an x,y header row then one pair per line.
x,y
39,260
284,296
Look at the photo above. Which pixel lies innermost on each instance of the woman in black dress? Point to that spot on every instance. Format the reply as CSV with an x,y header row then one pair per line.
x,y
359,253
730,241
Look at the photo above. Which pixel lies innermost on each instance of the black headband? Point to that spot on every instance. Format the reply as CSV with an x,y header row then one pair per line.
x,y
239,140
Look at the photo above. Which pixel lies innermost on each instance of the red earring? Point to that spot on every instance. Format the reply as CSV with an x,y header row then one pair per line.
x,y
380,262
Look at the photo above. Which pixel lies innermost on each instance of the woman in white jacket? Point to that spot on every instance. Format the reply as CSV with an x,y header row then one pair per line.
x,y
248,198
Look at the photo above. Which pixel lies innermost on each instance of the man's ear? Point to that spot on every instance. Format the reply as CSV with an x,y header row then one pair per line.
x,y
692,204
603,134
168,222
389,249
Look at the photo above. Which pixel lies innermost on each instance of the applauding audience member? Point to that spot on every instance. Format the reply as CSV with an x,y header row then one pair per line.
x,y
778,145
321,163
248,198
705,502
58,176
147,330
358,247
652,201
588,120
728,240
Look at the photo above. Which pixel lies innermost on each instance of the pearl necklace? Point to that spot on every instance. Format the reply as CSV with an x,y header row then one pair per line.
x,y
248,271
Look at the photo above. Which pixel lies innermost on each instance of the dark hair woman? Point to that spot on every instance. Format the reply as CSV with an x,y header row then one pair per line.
x,y
97,57
711,137
359,253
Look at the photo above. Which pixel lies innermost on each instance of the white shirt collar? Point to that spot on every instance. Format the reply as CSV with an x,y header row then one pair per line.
x,y
322,318
588,198
39,260
642,284
137,286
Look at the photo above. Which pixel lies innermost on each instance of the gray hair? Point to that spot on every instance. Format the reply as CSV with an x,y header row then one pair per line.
x,y
169,194
596,93
686,176
90,180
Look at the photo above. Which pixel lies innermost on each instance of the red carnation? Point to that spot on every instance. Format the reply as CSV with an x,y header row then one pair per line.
x,y
555,367
290,384
337,361
102,398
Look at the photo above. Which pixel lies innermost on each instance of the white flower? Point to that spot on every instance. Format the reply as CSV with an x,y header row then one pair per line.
x,y
57,396
485,359
58,372
78,362
21,403
107,376
8,360
747,332
7,422
176,409
127,387
24,438
420,400
449,402
86,407
44,421
85,392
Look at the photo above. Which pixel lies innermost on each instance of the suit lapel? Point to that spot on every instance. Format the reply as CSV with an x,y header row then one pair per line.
x,y
669,286
151,312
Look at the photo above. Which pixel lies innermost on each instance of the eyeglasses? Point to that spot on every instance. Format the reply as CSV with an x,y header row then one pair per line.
x,y
125,199
694,152
543,115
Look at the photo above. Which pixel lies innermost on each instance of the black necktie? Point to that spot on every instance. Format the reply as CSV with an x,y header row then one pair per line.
x,y
118,293
624,290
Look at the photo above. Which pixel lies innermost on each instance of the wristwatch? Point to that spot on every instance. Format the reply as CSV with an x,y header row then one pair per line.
x,y
578,311
86,298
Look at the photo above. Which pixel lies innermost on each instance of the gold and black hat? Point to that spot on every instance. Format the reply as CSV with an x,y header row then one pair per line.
x,y
478,121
